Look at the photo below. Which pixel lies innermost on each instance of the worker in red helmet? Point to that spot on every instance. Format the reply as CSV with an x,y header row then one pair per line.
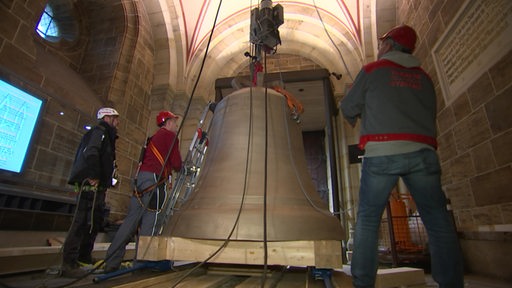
x,y
395,100
161,156
404,38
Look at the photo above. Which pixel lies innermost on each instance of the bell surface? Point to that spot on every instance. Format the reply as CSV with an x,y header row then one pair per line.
x,y
254,178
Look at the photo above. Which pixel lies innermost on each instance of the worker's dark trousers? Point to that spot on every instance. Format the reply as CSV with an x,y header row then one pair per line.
x,y
144,215
81,236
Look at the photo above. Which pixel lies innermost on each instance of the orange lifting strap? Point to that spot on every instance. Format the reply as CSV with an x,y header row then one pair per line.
x,y
293,103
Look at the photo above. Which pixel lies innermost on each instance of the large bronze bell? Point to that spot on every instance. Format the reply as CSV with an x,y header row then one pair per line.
x,y
254,169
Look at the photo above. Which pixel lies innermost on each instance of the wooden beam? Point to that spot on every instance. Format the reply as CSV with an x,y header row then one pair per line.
x,y
238,270
318,253
24,259
401,276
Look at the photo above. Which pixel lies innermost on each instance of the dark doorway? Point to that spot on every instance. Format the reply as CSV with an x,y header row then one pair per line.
x,y
316,160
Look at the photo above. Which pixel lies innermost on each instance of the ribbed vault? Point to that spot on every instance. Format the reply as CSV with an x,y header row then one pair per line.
x,y
333,33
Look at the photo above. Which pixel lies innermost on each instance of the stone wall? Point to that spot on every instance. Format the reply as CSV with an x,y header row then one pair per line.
x,y
475,136
47,70
284,63
110,63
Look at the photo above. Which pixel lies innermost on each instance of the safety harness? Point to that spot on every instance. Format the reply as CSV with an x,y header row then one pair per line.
x,y
139,194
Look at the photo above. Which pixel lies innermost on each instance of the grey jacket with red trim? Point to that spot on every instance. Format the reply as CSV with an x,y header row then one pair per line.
x,y
396,101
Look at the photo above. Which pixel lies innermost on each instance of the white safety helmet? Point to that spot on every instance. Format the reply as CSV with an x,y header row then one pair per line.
x,y
106,111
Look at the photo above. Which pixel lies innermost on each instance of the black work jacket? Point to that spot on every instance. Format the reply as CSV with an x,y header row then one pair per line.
x,y
95,156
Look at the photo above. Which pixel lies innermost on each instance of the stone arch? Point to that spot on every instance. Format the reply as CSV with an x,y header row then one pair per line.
x,y
301,35
169,45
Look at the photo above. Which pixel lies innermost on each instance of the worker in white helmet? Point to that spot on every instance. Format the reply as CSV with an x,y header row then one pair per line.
x,y
93,171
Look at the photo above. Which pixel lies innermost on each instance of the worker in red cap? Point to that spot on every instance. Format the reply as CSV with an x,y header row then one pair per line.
x,y
161,156
395,100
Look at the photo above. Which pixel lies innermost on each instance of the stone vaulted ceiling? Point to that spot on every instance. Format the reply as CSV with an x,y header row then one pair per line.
x,y
336,34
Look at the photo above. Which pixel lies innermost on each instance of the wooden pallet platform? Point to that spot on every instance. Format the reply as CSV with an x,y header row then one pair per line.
x,y
319,253
212,275
238,265
289,277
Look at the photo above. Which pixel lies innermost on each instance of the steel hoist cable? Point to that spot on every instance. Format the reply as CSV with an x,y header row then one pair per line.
x,y
332,41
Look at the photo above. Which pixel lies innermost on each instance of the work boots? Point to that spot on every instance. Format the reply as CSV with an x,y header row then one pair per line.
x,y
72,271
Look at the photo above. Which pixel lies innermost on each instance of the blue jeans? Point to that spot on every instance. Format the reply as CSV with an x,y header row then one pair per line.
x,y
421,173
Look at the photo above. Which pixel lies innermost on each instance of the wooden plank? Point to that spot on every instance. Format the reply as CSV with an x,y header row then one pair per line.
x,y
10,239
56,241
287,253
328,254
340,279
20,251
284,279
386,278
293,278
252,282
153,282
164,280
24,259
299,279
397,277
204,281
239,271
491,228
255,281
287,277
153,248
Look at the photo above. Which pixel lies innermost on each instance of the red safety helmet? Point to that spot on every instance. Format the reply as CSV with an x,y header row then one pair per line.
x,y
164,115
403,35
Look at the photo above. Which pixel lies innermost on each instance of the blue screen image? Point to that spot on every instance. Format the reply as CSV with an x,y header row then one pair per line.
x,y
19,113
